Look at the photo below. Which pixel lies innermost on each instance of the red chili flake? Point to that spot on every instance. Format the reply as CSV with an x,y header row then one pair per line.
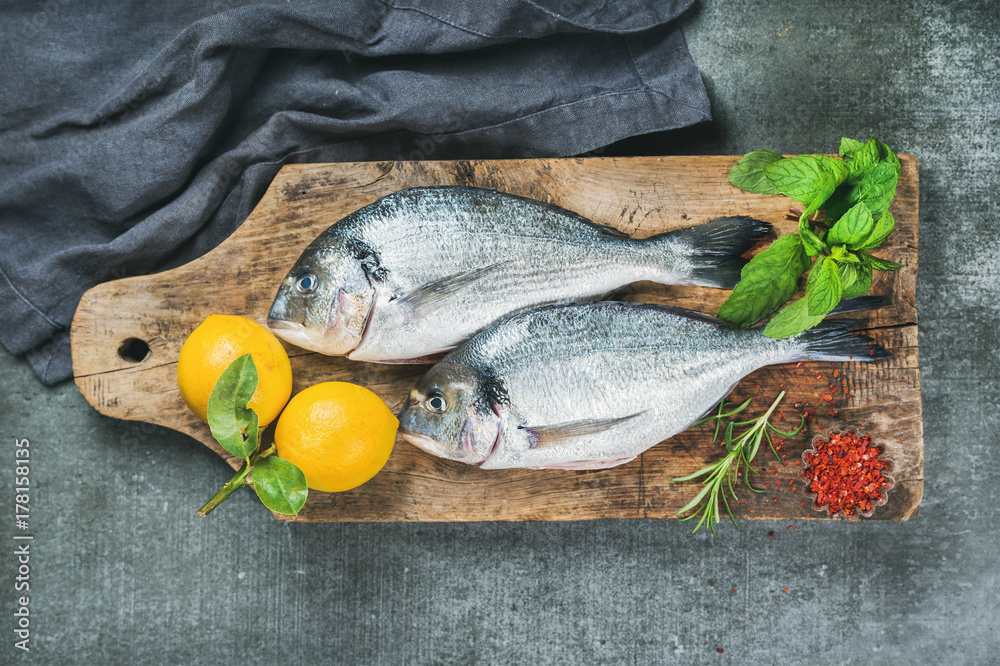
x,y
846,473
719,650
733,590
799,364
791,527
771,533
785,590
836,373
833,412
802,503
756,386
827,397
781,385
778,481
819,376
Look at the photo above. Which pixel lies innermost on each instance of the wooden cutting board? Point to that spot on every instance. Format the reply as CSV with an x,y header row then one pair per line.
x,y
641,196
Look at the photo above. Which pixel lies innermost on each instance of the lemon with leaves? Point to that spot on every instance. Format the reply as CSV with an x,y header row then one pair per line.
x,y
216,343
339,434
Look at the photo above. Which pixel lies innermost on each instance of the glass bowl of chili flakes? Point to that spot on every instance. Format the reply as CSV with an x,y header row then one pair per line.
x,y
847,474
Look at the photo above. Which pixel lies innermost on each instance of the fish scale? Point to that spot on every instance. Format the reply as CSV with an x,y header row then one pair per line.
x,y
421,270
587,386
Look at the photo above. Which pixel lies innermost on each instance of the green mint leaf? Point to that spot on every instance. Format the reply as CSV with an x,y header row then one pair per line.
x,y
865,157
875,262
792,320
848,275
839,252
860,280
886,155
874,186
811,243
766,282
883,227
233,424
823,288
847,257
810,179
877,186
848,148
853,228
748,173
280,485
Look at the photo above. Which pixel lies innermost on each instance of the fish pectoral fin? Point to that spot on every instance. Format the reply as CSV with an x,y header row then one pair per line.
x,y
429,296
557,433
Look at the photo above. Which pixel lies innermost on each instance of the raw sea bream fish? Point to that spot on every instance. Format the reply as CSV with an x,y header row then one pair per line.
x,y
419,271
594,385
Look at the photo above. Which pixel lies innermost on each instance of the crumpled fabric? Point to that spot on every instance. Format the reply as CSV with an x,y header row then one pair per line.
x,y
137,136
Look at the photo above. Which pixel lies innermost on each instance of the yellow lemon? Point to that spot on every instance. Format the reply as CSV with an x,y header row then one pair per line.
x,y
217,342
339,434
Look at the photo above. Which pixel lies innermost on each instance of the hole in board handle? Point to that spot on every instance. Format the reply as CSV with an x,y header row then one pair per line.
x,y
134,350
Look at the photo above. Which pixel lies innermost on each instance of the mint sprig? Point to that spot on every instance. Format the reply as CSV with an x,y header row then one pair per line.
x,y
854,194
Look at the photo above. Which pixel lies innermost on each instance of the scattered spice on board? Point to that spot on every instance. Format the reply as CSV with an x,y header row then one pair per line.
x,y
846,473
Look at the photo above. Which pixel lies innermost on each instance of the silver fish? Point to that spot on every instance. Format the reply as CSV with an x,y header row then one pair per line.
x,y
419,271
593,385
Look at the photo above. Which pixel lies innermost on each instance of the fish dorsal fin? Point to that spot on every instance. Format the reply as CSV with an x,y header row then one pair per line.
x,y
550,435
687,314
430,295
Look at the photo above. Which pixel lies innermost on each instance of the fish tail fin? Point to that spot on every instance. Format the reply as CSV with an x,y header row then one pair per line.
x,y
713,249
838,340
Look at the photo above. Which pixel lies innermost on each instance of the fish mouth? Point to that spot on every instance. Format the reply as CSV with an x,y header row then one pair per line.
x,y
434,447
276,324
292,332
424,442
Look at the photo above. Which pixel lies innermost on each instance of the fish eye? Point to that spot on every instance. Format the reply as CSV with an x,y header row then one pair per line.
x,y
437,404
306,283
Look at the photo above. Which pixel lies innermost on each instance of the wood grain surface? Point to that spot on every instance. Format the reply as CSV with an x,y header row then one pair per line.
x,y
640,196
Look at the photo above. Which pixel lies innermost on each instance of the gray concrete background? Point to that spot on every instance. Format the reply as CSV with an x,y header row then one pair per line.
x,y
123,571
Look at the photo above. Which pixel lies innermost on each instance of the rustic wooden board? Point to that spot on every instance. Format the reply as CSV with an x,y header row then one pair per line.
x,y
640,196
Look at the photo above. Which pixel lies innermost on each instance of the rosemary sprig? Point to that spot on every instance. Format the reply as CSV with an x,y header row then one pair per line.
x,y
740,453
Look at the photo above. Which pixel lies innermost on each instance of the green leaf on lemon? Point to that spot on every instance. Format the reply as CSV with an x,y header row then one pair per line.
x,y
234,424
280,485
